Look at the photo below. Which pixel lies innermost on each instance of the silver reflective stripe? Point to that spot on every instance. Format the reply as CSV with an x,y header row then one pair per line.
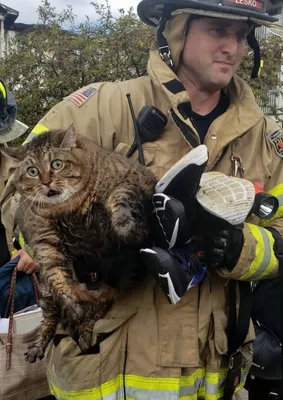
x,y
280,199
119,394
133,393
199,385
141,394
144,394
31,136
266,257
192,389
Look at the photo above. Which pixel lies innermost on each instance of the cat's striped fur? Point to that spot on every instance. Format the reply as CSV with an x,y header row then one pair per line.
x,y
93,201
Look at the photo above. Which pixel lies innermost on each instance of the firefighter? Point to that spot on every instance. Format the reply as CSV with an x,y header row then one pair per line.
x,y
145,347
10,129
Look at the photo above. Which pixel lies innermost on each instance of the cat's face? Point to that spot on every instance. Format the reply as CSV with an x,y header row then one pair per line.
x,y
50,170
53,176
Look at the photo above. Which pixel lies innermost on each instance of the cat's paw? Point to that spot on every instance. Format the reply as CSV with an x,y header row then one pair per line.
x,y
74,313
80,293
85,341
127,227
75,301
34,352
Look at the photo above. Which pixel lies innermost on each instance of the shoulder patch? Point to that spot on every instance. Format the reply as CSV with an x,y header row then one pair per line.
x,y
81,96
276,138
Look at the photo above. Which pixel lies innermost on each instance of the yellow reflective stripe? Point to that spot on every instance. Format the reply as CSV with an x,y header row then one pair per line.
x,y
97,393
190,380
152,383
21,241
212,388
261,67
13,252
137,387
203,392
24,246
277,191
37,130
265,260
3,90
212,378
272,261
201,383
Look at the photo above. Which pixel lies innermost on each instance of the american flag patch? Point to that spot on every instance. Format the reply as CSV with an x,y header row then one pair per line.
x,y
81,96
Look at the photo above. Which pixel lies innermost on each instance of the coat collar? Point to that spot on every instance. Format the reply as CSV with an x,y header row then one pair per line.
x,y
242,115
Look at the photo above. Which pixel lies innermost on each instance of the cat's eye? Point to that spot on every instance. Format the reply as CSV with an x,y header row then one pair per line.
x,y
32,171
57,164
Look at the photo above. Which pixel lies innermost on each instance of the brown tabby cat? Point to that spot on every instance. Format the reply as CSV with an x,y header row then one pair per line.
x,y
76,198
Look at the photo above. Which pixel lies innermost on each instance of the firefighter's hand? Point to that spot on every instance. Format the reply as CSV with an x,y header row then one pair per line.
x,y
222,248
26,263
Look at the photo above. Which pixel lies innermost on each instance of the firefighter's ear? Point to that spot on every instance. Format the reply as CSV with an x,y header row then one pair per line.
x,y
17,154
69,138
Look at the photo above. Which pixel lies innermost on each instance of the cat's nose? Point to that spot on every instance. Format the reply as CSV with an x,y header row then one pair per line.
x,y
46,182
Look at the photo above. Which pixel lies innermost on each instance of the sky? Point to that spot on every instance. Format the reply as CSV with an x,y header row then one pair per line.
x,y
27,9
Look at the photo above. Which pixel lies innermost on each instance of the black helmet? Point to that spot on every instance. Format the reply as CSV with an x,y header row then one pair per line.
x,y
8,108
157,12
150,11
10,128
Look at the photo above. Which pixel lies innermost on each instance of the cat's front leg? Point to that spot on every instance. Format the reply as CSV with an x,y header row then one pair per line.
x,y
85,330
58,274
51,314
128,218
104,299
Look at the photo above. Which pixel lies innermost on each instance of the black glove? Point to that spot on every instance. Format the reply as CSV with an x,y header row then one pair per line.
x,y
222,247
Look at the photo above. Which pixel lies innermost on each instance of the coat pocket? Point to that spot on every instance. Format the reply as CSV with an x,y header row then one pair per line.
x,y
177,344
71,371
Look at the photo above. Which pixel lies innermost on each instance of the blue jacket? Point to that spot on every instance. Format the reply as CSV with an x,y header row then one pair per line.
x,y
24,291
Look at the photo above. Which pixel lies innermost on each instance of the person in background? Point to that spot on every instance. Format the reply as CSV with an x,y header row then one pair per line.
x,y
10,129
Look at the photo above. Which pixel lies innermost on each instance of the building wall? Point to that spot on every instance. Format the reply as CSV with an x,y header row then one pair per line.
x,y
8,36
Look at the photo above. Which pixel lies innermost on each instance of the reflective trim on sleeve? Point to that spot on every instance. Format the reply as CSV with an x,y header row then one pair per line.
x,y
277,191
37,130
24,246
265,260
201,383
13,252
3,90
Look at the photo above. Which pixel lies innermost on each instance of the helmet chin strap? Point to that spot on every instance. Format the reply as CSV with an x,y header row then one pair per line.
x,y
164,50
165,54
253,43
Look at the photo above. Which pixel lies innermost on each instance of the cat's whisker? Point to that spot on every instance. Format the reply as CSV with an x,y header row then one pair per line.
x,y
71,193
33,198
37,194
41,203
67,192
27,198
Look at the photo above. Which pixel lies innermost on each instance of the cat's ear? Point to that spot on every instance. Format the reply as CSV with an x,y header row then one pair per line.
x,y
69,138
13,153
